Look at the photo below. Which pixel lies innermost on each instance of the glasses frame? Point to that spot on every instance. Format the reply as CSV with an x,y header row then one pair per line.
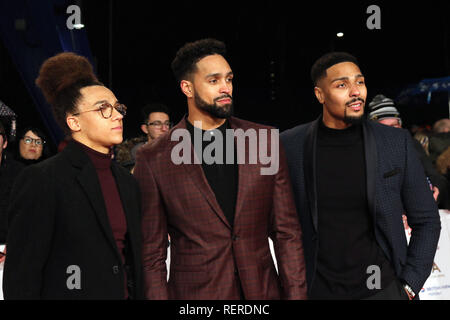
x,y
107,106
159,125
33,141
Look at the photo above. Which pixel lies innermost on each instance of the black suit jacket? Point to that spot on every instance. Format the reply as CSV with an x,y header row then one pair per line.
x,y
58,220
396,184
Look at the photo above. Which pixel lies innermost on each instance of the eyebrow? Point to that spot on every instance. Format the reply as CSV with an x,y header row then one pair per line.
x,y
347,78
104,101
218,74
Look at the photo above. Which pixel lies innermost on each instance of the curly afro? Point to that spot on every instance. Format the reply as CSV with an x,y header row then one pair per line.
x,y
60,79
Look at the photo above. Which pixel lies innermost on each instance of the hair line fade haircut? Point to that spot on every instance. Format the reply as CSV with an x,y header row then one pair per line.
x,y
319,68
186,58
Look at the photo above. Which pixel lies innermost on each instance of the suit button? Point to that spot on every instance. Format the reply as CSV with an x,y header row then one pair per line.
x,y
235,237
236,272
115,269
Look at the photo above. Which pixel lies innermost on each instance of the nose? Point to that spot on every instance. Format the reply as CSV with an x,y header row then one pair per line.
x,y
116,115
354,91
226,87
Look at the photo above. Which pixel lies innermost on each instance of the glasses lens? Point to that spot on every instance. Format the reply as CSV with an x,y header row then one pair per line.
x,y
121,109
39,142
28,140
106,110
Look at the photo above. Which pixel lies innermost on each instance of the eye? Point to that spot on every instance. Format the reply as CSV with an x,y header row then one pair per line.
x,y
213,81
341,85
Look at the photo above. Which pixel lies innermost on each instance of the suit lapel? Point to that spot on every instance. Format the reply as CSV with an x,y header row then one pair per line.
x,y
88,180
370,150
310,153
245,172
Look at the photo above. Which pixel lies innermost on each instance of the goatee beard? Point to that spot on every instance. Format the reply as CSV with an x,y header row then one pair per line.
x,y
214,110
353,120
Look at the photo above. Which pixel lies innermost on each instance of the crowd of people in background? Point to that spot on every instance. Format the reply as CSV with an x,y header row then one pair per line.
x,y
432,145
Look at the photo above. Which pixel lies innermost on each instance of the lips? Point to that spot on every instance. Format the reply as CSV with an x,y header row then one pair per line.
x,y
356,106
117,128
226,100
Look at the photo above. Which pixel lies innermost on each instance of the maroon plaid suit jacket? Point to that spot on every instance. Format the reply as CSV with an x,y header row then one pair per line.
x,y
207,253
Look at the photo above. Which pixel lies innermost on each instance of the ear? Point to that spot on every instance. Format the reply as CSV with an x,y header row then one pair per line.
x,y
73,123
144,128
319,95
187,88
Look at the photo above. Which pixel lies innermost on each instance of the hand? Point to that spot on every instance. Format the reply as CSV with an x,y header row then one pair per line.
x,y
409,296
3,256
435,193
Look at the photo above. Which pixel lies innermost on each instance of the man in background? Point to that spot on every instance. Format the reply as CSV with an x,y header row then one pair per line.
x,y
382,110
155,122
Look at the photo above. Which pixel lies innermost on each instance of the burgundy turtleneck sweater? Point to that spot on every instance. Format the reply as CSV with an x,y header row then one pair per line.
x,y
111,196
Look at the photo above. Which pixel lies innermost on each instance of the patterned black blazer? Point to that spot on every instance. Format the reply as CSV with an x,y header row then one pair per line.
x,y
396,185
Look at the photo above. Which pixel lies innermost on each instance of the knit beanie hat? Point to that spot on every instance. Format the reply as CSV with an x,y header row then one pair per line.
x,y
382,107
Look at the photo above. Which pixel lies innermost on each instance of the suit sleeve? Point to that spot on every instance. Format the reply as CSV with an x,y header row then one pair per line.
x,y
423,218
286,235
31,216
154,232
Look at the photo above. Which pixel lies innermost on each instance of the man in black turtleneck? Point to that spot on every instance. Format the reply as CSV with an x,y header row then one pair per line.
x,y
352,182
219,213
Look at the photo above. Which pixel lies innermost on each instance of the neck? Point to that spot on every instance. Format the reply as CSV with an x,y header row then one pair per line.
x,y
89,144
208,122
334,123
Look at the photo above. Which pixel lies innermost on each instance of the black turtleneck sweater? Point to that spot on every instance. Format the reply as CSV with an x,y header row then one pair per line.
x,y
222,178
347,244
111,196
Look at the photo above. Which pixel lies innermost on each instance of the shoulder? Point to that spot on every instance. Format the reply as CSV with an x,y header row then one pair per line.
x,y
122,173
387,132
295,133
245,124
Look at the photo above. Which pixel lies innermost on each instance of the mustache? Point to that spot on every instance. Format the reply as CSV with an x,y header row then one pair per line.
x,y
354,100
223,97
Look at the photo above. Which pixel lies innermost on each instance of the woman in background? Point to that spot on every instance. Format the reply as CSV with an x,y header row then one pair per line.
x,y
31,146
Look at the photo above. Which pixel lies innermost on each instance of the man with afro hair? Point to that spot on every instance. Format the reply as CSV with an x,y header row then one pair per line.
x,y
74,218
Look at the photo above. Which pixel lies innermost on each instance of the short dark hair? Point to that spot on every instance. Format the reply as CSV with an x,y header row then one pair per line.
x,y
184,63
35,130
319,68
153,107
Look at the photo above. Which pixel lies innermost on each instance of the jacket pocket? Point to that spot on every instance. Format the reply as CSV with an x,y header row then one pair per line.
x,y
392,173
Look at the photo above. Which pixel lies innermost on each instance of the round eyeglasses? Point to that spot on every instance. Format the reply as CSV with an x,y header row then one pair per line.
x,y
106,110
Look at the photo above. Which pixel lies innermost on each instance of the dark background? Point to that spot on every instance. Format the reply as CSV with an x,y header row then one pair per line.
x,y
271,47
